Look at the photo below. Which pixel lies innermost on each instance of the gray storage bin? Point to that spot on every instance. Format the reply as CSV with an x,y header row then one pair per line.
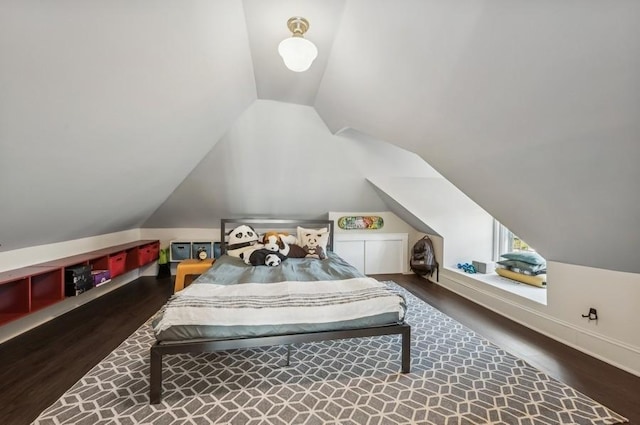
x,y
179,251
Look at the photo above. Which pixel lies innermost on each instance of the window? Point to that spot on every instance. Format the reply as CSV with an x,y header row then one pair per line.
x,y
505,241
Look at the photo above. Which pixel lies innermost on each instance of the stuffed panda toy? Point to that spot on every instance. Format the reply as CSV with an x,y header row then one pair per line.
x,y
243,240
265,257
244,244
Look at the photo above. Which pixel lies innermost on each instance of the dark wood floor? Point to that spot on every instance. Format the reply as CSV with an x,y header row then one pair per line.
x,y
39,366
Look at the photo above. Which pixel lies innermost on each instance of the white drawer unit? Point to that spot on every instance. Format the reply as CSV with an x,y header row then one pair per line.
x,y
352,252
374,253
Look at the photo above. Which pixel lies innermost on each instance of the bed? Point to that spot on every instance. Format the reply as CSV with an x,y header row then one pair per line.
x,y
234,305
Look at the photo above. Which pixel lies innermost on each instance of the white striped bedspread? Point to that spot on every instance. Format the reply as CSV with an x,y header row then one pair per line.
x,y
211,311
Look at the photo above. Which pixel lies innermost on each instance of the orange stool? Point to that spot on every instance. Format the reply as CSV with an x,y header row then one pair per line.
x,y
189,267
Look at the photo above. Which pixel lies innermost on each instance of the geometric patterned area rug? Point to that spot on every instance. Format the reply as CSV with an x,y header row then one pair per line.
x,y
457,377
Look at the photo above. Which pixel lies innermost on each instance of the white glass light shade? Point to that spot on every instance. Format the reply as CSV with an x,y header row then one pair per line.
x,y
297,53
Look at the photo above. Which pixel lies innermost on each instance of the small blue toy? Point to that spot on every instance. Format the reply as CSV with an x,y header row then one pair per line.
x,y
467,268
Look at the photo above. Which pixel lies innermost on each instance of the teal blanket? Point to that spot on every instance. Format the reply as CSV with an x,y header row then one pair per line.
x,y
229,270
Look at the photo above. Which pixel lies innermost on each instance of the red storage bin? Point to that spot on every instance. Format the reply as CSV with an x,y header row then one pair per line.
x,y
117,263
154,252
149,253
143,255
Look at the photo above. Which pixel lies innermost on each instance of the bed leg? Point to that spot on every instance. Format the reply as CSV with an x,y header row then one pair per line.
x,y
406,350
155,376
288,355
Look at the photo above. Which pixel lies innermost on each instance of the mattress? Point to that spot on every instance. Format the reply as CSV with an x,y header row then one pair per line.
x,y
233,300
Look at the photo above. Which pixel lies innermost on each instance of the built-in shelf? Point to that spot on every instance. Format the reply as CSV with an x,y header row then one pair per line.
x,y
533,293
28,289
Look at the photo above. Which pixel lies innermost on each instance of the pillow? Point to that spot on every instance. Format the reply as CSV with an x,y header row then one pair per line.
x,y
539,280
302,230
529,257
314,242
522,267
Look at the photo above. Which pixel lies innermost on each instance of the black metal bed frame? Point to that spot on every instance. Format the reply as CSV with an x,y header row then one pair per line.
x,y
160,349
206,346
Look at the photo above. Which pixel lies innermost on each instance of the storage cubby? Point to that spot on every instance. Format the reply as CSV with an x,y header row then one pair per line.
x,y
100,263
133,258
14,299
197,246
28,289
183,250
46,288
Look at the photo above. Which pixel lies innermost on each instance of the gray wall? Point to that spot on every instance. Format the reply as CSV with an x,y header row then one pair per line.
x,y
278,159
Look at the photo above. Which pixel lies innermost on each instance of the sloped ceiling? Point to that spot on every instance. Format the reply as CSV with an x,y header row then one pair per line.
x,y
530,108
105,107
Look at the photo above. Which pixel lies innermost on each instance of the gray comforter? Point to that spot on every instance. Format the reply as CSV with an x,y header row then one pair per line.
x,y
229,270
234,300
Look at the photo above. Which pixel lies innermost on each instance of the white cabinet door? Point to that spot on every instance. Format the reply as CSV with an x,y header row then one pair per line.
x,y
383,256
352,252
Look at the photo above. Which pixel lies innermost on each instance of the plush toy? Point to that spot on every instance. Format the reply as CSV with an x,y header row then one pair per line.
x,y
264,257
274,241
283,243
243,240
313,244
296,251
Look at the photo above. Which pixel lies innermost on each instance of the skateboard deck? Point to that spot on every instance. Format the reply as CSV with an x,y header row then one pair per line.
x,y
352,222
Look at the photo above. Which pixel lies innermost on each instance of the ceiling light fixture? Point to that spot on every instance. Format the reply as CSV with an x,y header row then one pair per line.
x,y
297,52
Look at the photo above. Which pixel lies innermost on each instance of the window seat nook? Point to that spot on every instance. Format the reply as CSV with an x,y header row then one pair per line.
x,y
477,280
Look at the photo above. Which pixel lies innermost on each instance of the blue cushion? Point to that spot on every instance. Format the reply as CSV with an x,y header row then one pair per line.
x,y
522,267
529,257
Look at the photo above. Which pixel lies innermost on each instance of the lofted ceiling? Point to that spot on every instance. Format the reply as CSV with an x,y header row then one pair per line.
x,y
530,108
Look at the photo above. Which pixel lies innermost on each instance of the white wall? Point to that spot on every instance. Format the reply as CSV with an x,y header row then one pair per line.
x,y
392,223
24,257
465,228
616,296
572,290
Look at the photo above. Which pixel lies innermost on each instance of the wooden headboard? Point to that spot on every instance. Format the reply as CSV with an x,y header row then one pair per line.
x,y
262,225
